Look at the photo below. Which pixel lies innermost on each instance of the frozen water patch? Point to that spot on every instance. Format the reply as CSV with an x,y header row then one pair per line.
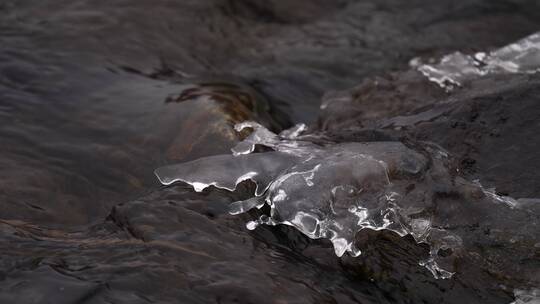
x,y
457,68
325,192
527,296
224,172
331,191
490,192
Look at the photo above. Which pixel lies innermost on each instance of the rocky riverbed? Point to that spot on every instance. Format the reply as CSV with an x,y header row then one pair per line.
x,y
95,95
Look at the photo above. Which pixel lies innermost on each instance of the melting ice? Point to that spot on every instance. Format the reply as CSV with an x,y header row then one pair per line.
x,y
327,191
527,296
454,69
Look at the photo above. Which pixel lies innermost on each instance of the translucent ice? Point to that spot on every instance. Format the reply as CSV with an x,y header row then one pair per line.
x,y
325,192
527,296
227,171
454,69
333,191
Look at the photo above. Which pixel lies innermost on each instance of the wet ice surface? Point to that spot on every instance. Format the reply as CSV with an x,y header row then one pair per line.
x,y
457,68
333,191
527,296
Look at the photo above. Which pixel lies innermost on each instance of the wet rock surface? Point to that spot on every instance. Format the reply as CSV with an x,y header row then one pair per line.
x,y
479,125
95,95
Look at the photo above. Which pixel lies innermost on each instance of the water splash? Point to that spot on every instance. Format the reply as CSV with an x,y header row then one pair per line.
x,y
457,68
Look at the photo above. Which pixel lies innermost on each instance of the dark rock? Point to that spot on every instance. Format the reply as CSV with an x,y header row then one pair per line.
x,y
83,124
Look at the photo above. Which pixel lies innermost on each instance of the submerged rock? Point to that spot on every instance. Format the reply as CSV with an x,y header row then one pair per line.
x,y
217,107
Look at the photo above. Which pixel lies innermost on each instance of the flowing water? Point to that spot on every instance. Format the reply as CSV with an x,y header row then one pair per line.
x,y
95,95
